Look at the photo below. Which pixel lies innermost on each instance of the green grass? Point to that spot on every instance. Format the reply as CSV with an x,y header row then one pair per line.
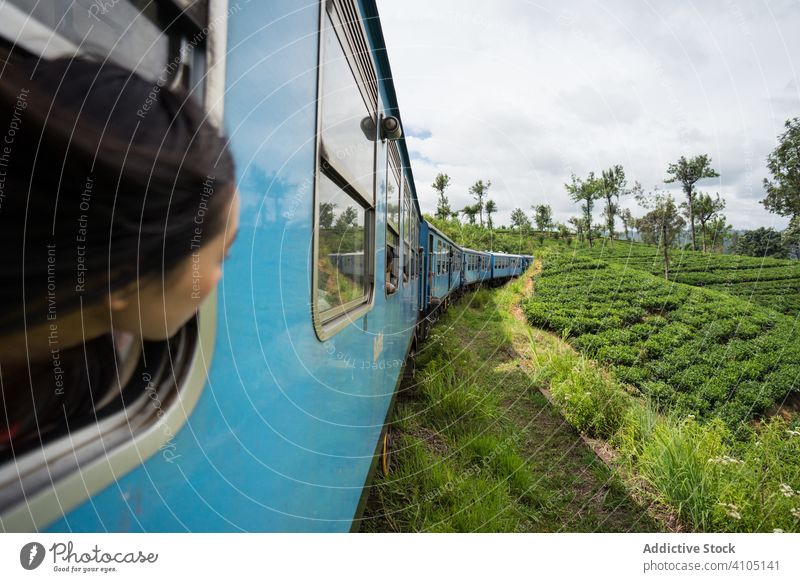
x,y
476,447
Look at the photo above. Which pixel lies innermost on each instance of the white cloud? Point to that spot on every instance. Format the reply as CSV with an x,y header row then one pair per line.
x,y
523,94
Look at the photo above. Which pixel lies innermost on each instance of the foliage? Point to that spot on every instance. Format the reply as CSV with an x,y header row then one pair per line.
x,y
520,220
585,192
688,173
762,242
543,216
478,191
440,184
490,208
783,163
691,350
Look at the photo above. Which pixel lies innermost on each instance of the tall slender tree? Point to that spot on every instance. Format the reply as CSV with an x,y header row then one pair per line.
x,y
490,208
520,220
543,216
613,185
440,184
706,209
688,173
628,221
586,191
663,223
478,191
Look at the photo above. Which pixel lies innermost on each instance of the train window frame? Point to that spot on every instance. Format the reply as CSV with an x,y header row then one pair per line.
x,y
42,483
343,20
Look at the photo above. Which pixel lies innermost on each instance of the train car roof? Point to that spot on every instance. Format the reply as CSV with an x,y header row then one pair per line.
x,y
469,250
504,254
372,23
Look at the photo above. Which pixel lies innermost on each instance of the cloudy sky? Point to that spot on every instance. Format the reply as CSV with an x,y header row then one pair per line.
x,y
525,93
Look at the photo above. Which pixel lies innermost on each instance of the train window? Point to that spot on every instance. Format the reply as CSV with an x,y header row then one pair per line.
x,y
406,231
133,36
341,266
345,187
393,188
159,383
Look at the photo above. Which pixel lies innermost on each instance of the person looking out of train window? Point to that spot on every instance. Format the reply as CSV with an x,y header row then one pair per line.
x,y
391,279
117,208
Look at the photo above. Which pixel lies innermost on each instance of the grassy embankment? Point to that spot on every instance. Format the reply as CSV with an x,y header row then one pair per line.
x,y
477,447
699,370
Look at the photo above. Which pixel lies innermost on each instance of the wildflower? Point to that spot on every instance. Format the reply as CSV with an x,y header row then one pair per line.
x,y
793,432
795,511
726,460
786,490
778,530
732,510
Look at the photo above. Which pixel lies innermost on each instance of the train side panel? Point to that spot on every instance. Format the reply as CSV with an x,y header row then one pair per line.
x,y
284,434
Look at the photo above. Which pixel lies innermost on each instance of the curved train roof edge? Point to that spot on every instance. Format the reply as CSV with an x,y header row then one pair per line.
x,y
375,31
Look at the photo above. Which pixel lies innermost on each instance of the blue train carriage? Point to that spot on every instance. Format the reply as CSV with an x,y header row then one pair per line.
x,y
505,266
443,276
476,267
270,412
527,261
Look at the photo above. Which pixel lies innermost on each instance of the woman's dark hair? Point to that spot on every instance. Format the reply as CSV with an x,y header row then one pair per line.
x,y
104,179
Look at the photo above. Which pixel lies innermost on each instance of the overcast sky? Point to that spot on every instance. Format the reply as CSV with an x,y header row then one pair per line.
x,y
524,93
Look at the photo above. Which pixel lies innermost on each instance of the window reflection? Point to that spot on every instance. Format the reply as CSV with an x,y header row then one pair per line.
x,y
341,275
343,110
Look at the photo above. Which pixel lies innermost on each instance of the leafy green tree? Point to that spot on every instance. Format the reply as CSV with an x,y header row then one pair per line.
x,y
326,214
613,185
791,238
543,216
440,184
470,211
663,223
688,173
706,208
579,224
586,191
761,242
520,220
346,219
478,191
718,232
628,221
783,191
490,208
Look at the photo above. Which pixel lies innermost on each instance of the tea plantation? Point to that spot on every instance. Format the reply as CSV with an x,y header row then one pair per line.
x,y
693,351
773,283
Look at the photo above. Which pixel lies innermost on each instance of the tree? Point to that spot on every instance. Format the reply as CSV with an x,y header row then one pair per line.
x,y
326,214
490,208
719,231
440,184
543,216
470,211
520,220
478,191
762,242
663,223
613,185
688,173
706,208
628,221
346,219
783,191
791,238
586,191
578,223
